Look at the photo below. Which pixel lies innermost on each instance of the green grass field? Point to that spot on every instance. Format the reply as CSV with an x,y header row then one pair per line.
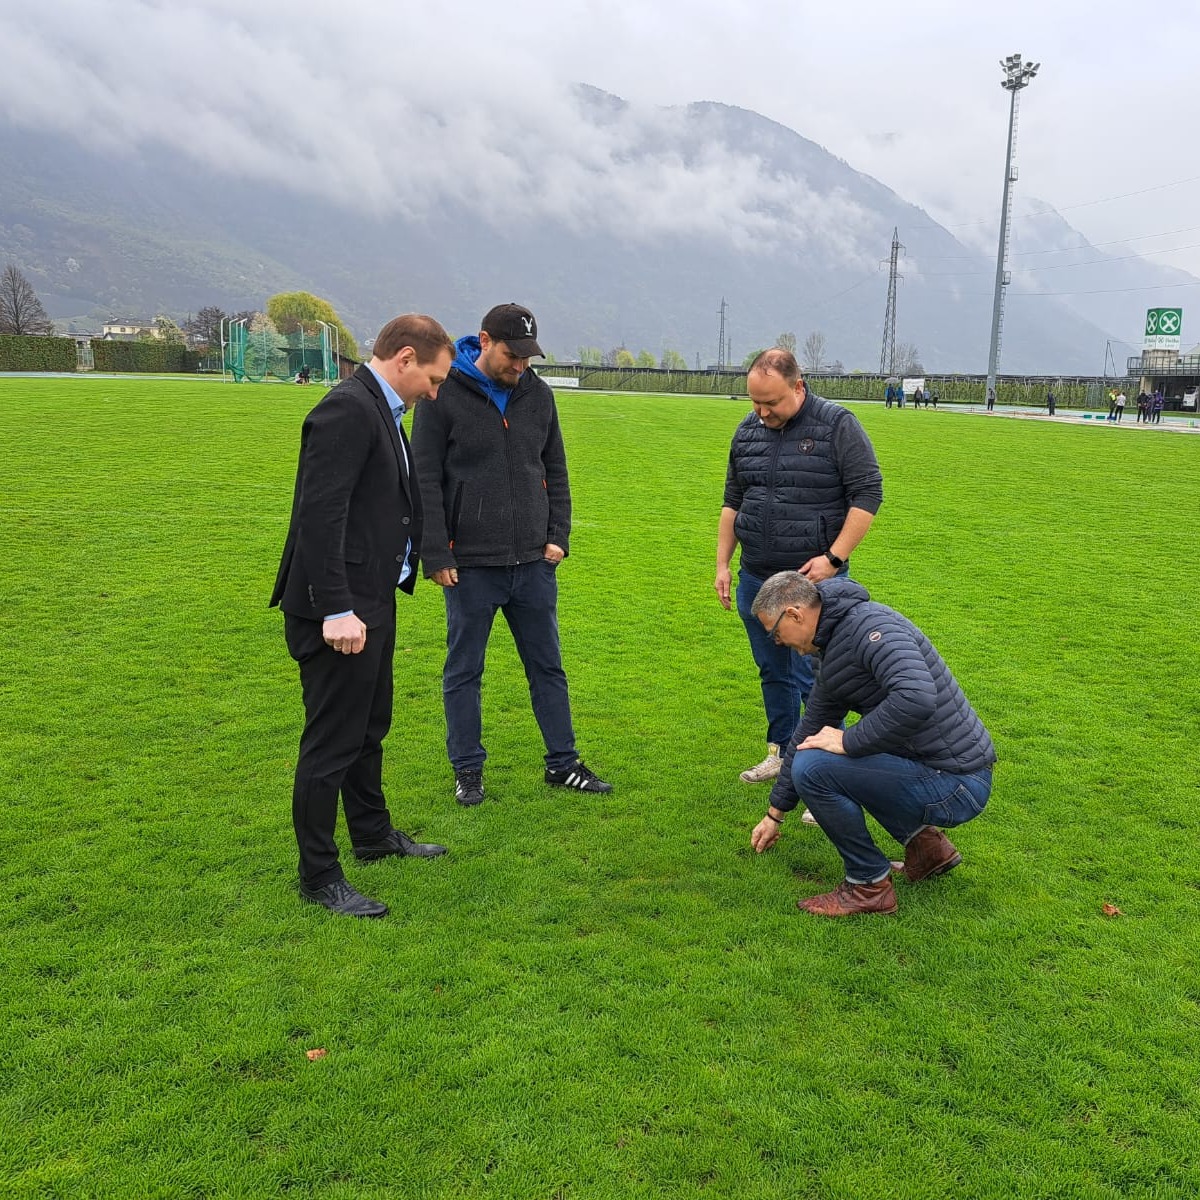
x,y
589,998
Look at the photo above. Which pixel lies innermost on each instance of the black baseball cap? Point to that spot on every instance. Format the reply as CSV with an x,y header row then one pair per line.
x,y
514,325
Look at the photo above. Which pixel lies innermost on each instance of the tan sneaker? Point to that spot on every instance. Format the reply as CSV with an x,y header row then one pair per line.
x,y
766,770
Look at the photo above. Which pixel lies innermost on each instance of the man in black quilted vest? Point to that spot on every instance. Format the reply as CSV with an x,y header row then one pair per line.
x,y
801,491
919,758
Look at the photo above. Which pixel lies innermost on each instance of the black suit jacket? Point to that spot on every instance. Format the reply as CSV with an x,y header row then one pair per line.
x,y
355,509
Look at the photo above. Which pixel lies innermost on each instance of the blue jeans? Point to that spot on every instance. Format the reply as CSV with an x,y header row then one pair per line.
x,y
528,597
902,795
787,677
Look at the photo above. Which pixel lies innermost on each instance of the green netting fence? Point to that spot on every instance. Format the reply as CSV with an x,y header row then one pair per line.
x,y
265,355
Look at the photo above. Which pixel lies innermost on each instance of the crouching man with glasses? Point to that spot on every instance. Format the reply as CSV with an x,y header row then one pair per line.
x,y
919,758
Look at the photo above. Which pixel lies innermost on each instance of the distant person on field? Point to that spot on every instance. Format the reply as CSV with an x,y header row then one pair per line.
x,y
919,758
1112,404
1050,402
891,394
801,489
497,524
1156,407
934,398
900,395
1143,406
1120,404
991,399
354,537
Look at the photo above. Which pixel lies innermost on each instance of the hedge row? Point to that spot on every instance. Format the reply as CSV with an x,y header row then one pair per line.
x,y
19,352
23,353
153,357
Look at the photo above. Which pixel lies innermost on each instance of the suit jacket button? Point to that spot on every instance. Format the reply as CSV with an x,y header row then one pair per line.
x,y
406,520
399,558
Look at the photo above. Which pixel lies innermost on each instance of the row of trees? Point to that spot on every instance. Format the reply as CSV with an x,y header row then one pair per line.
x,y
811,355
21,312
620,358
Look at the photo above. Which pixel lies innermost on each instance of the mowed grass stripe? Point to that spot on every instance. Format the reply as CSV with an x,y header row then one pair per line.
x,y
588,998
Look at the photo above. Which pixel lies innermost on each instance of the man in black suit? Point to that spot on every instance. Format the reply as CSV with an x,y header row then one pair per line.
x,y
354,538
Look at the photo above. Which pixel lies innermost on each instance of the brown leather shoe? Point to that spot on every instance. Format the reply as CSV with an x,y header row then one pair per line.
x,y
849,898
929,852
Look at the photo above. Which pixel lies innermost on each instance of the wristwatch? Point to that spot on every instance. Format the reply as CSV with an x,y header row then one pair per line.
x,y
838,563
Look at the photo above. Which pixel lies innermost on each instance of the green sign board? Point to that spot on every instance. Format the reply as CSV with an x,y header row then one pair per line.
x,y
1162,328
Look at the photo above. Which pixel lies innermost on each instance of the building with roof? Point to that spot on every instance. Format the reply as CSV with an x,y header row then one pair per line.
x,y
128,329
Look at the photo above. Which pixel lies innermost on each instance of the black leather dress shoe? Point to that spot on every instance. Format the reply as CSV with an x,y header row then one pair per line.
x,y
400,844
341,898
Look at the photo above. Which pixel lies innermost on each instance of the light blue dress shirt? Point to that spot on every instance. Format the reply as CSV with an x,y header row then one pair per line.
x,y
398,408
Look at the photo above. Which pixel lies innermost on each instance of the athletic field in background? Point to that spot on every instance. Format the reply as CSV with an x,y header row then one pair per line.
x,y
589,998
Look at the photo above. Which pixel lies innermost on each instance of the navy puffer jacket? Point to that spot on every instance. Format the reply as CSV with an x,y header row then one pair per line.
x,y
791,487
876,662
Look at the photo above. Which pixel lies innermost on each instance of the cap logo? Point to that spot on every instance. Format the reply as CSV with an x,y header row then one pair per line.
x,y
528,323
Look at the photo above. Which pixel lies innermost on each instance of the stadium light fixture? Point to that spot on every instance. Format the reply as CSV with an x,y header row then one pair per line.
x,y
1017,75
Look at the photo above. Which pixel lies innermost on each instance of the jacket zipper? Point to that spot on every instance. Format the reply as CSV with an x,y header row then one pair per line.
x,y
456,512
512,483
768,523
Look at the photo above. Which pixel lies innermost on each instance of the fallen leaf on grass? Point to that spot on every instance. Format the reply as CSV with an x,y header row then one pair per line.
x,y
1111,910
313,1055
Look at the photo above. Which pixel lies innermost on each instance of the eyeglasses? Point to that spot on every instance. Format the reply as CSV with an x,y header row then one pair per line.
x,y
773,633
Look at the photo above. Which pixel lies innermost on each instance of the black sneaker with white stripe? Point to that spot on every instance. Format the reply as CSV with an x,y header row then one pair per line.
x,y
468,787
579,777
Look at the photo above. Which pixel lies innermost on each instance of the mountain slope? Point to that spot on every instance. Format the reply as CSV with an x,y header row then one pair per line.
x,y
704,202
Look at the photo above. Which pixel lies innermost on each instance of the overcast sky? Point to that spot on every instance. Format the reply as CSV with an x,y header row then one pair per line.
x,y
402,103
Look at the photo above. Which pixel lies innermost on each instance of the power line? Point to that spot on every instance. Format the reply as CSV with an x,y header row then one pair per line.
x,y
1158,187
1061,208
865,279
1091,262
1152,287
1141,237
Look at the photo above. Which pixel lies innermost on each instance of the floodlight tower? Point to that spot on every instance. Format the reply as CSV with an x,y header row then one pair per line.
x,y
1017,75
721,336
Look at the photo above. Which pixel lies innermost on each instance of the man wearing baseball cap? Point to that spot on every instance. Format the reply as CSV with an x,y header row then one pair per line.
x,y
493,455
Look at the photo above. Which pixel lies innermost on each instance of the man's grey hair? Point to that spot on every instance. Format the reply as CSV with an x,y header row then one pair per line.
x,y
788,589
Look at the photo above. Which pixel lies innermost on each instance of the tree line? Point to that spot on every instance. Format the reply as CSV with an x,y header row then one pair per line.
x,y
812,357
287,313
